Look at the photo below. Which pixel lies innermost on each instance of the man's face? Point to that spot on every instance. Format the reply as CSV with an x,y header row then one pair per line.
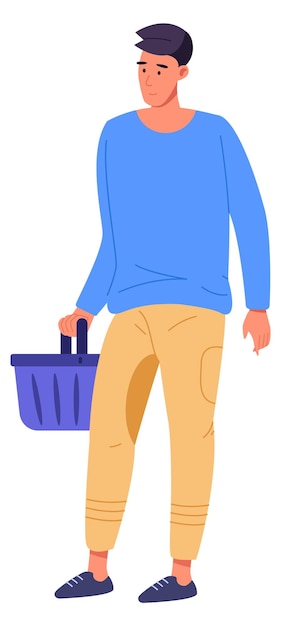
x,y
158,77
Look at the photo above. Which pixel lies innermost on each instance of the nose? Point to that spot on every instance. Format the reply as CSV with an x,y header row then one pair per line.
x,y
148,84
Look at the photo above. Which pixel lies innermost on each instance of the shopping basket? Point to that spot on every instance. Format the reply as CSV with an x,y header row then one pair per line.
x,y
55,390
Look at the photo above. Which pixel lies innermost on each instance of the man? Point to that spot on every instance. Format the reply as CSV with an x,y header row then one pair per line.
x,y
168,179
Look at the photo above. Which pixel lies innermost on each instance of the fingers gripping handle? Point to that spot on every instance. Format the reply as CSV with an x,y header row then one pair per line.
x,y
82,339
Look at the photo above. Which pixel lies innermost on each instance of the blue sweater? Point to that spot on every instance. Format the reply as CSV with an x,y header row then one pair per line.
x,y
165,202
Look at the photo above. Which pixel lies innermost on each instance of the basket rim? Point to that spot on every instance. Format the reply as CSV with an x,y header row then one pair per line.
x,y
58,360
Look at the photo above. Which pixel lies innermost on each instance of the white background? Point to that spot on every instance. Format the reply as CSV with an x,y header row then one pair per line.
x,y
66,67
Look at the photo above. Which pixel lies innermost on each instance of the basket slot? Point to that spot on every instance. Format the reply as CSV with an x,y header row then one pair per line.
x,y
57,399
37,399
76,399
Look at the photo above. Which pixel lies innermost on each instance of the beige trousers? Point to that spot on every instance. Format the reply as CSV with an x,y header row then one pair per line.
x,y
187,343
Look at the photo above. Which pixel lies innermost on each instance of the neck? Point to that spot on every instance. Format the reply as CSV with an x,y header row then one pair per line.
x,y
170,108
168,117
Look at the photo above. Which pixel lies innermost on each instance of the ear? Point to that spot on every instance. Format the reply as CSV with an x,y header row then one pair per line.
x,y
183,71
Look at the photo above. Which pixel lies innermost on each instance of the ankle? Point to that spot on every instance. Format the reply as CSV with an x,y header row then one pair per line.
x,y
98,565
181,570
184,580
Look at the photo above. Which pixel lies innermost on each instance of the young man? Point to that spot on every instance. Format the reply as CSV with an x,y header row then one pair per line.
x,y
169,179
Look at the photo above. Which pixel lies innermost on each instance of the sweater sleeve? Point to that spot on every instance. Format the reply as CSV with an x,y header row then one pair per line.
x,y
96,289
249,220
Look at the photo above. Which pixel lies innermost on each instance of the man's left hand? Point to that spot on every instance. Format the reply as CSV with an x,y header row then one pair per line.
x,y
256,323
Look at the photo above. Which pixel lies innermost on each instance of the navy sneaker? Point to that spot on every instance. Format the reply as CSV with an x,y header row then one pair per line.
x,y
84,585
168,589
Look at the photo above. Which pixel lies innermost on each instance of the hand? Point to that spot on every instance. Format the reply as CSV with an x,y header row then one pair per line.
x,y
67,325
256,323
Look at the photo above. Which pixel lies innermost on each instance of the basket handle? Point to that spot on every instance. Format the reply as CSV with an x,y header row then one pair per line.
x,y
82,339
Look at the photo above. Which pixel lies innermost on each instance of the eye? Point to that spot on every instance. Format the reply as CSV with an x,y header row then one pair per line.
x,y
158,72
144,70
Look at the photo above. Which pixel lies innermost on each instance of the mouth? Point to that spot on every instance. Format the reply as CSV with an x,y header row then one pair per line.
x,y
152,94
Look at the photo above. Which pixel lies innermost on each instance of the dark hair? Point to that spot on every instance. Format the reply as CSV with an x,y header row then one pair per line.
x,y
166,39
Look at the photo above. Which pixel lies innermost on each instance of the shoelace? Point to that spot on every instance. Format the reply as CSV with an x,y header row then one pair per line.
x,y
74,581
159,582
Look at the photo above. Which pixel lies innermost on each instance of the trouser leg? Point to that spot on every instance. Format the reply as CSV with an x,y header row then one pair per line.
x,y
189,351
125,373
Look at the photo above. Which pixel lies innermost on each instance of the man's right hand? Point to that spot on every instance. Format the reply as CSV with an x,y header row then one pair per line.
x,y
67,325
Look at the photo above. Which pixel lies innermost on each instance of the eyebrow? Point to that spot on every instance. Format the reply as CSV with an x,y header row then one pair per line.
x,y
158,64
